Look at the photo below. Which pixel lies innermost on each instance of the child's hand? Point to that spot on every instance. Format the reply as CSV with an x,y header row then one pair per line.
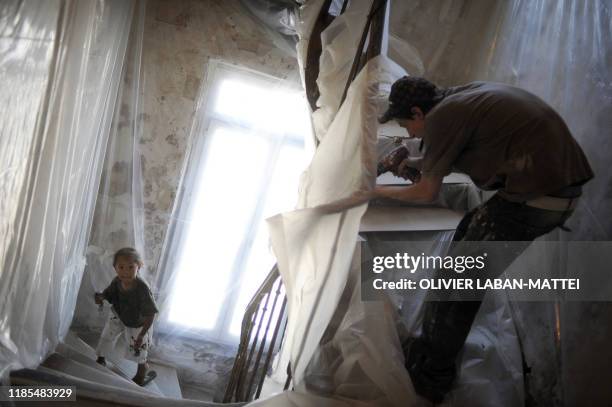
x,y
98,298
138,342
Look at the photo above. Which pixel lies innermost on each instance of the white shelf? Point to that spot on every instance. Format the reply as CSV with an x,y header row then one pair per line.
x,y
398,218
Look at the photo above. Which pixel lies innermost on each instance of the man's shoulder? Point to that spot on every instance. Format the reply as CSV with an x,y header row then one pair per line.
x,y
470,90
478,87
474,91
453,90
452,107
462,100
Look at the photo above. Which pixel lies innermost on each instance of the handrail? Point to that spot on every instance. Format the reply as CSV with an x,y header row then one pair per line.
x,y
256,311
313,53
248,373
375,21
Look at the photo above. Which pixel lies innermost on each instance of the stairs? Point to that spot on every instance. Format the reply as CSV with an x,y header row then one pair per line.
x,y
74,364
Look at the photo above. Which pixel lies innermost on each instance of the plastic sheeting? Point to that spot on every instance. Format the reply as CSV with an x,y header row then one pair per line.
x,y
216,249
559,50
305,22
356,358
60,63
118,215
71,51
212,259
278,17
339,42
314,248
359,361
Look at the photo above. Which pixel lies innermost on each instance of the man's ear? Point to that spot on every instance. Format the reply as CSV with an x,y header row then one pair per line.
x,y
417,113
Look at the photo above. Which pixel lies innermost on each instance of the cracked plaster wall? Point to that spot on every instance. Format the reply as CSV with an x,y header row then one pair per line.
x,y
179,39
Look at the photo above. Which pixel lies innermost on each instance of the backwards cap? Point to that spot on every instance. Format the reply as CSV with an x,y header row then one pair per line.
x,y
407,92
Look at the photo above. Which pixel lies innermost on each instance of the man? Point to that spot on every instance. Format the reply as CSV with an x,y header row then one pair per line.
x,y
505,139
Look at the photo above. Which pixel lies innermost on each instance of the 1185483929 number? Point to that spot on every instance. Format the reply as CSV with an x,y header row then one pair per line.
x,y
37,393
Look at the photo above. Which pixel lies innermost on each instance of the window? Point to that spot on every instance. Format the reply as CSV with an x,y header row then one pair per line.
x,y
244,167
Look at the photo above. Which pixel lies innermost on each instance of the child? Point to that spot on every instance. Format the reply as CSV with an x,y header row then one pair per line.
x,y
133,311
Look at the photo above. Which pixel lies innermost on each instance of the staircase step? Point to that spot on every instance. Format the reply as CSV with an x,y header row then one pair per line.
x,y
77,349
167,380
69,353
79,345
59,363
127,369
104,393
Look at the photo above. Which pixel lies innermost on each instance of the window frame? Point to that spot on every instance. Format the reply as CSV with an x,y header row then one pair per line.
x,y
205,122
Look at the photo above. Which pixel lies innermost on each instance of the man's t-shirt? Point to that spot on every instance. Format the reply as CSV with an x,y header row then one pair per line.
x,y
504,138
133,305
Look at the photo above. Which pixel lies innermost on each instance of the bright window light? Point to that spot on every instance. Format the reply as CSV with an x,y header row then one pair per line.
x,y
220,218
269,109
248,170
260,259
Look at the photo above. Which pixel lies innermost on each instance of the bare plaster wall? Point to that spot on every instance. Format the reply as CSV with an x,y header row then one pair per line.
x,y
179,39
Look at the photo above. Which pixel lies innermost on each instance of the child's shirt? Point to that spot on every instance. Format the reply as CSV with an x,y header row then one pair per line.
x,y
131,306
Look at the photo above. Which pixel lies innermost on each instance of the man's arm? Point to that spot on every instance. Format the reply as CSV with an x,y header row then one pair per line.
x,y
425,191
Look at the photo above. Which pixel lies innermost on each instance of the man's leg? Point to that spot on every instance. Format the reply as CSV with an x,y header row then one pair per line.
x,y
446,324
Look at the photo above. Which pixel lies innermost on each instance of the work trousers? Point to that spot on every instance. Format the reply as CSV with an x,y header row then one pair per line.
x,y
431,358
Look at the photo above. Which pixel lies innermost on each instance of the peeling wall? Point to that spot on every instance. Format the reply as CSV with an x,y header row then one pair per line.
x,y
180,38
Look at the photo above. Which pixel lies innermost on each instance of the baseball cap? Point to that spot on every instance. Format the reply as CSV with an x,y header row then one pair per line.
x,y
407,92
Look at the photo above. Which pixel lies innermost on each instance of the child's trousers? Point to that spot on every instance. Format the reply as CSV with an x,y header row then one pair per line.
x,y
112,330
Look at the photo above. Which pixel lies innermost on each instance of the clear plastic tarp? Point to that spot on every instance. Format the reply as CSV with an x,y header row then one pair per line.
x,y
216,247
118,215
60,63
340,362
260,123
71,75
338,345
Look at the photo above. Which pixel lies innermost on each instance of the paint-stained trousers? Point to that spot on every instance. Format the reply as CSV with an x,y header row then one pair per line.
x,y
113,329
431,358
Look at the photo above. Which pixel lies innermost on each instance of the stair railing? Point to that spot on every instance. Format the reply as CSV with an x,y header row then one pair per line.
x,y
263,327
251,366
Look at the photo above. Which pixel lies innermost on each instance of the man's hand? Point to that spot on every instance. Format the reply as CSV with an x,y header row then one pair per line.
x,y
423,192
99,298
392,160
405,170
